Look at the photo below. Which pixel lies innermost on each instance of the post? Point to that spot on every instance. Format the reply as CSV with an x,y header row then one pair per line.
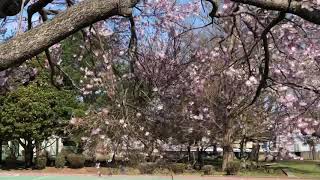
x,y
57,146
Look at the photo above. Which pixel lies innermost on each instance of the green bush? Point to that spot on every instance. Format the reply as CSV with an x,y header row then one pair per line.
x,y
162,171
208,170
60,161
147,168
76,160
41,162
233,168
65,152
178,168
11,161
135,159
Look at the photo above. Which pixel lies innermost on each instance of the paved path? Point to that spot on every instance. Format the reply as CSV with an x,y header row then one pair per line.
x,y
88,177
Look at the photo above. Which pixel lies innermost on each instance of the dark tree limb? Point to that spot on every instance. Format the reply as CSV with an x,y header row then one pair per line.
x,y
133,46
289,6
265,71
34,8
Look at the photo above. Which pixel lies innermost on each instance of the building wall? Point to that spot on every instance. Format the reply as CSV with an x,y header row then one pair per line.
x,y
52,146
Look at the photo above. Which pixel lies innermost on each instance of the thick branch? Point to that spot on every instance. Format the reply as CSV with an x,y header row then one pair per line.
x,y
27,45
283,5
133,45
265,72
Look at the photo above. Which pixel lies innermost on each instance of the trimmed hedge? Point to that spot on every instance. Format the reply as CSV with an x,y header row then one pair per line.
x,y
233,168
208,170
60,161
41,162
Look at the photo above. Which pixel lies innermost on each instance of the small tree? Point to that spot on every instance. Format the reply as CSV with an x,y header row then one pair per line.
x,y
36,112
5,132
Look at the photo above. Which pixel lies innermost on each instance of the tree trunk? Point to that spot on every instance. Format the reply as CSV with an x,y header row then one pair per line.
x,y
198,154
26,157
227,156
215,151
200,159
38,148
254,155
150,153
227,144
1,142
113,161
243,145
28,154
57,146
189,153
313,151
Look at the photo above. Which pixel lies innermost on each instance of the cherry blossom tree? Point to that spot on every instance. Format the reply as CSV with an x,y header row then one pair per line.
x,y
231,54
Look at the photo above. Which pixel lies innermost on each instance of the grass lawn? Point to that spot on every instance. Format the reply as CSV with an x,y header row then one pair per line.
x,y
262,173
305,169
277,172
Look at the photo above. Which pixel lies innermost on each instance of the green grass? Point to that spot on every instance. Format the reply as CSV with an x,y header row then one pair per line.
x,y
305,169
262,173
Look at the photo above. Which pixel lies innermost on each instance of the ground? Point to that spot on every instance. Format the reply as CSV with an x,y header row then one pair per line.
x,y
134,178
298,169
128,171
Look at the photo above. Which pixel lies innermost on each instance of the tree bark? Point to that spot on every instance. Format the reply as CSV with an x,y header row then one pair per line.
x,y
189,153
26,156
227,156
242,148
57,146
200,159
28,153
38,148
254,155
313,151
227,146
27,45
